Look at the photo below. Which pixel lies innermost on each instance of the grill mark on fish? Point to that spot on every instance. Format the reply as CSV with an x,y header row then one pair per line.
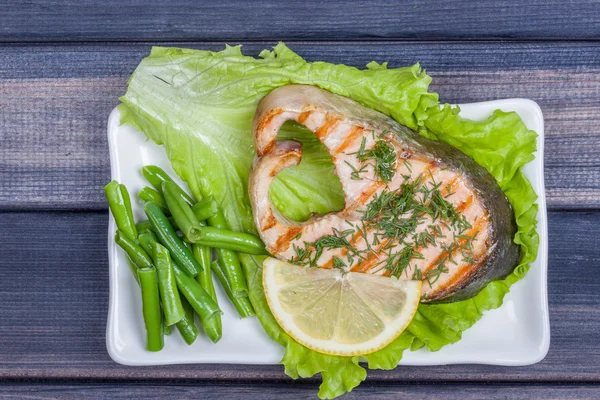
x,y
269,223
460,242
373,259
354,242
304,116
263,124
344,251
278,167
283,242
465,204
370,191
325,129
427,174
356,133
367,264
459,275
444,191
327,265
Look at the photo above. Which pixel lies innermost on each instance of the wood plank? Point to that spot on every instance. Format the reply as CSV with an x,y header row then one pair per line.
x,y
188,20
54,294
268,391
54,102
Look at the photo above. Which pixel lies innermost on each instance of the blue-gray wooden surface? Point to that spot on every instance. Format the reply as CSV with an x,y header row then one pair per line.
x,y
64,63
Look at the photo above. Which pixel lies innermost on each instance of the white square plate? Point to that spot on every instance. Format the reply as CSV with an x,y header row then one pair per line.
x,y
517,333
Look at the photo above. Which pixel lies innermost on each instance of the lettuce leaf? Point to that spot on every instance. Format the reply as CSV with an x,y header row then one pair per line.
x,y
200,104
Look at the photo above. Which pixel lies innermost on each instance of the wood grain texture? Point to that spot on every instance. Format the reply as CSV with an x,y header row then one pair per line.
x,y
63,65
54,103
128,20
268,391
54,294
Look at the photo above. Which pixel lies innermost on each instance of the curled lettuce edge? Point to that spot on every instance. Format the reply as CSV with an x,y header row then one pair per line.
x,y
501,143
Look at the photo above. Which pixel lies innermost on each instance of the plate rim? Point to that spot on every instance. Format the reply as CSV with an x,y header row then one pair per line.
x,y
542,228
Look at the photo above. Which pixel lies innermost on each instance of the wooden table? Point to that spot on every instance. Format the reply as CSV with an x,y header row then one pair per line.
x,y
62,67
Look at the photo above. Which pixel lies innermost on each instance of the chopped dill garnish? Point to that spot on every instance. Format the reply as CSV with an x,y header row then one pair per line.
x,y
382,153
362,230
433,274
355,174
437,230
390,204
417,275
442,209
312,251
338,263
424,239
302,254
329,242
384,156
468,257
387,229
398,262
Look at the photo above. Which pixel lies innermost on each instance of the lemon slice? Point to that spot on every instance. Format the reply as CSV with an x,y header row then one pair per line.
x,y
339,313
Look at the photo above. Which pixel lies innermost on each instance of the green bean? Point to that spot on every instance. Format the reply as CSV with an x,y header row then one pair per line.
x,y
147,241
202,303
230,261
156,176
146,244
205,208
133,268
203,256
181,211
186,327
233,272
167,286
134,271
148,194
213,327
120,206
166,328
230,240
146,225
143,226
137,254
168,238
151,309
241,304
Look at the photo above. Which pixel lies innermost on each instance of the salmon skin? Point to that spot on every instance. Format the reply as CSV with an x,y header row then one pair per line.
x,y
414,208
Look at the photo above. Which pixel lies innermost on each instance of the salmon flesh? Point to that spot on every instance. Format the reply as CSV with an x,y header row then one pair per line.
x,y
414,208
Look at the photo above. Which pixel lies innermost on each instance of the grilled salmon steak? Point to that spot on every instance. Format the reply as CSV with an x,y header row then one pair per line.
x,y
414,208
